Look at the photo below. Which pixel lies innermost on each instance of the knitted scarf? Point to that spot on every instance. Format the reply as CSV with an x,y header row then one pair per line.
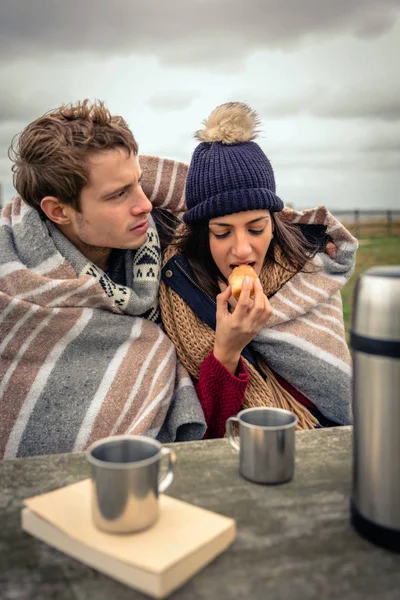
x,y
141,266
80,355
304,341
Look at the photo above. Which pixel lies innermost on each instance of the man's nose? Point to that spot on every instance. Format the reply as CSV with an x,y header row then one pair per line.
x,y
141,204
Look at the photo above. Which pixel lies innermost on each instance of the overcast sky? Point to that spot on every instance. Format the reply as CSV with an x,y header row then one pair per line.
x,y
324,76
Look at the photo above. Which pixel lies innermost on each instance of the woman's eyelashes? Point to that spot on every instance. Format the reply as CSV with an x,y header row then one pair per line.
x,y
221,236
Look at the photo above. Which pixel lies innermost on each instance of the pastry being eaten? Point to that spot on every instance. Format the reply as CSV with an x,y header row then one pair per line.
x,y
236,279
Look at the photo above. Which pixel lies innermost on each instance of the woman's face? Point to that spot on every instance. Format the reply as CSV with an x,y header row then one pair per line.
x,y
240,239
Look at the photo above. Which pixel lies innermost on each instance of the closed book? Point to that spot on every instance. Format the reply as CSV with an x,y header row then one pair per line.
x,y
155,561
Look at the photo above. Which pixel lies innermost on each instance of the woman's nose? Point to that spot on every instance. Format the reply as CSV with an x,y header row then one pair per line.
x,y
241,248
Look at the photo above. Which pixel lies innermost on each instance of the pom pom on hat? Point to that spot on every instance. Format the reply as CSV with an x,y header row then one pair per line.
x,y
230,123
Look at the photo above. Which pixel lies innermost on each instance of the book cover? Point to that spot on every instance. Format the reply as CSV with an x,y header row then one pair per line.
x,y
155,561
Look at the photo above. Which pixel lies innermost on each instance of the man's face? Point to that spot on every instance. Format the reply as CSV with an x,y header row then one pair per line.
x,y
114,208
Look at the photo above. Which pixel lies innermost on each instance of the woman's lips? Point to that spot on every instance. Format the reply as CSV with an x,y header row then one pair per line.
x,y
251,263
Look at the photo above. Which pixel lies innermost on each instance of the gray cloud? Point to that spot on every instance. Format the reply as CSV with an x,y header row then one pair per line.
x,y
356,162
360,102
37,38
5,172
366,105
388,143
14,107
23,106
376,150
7,132
180,32
171,101
179,148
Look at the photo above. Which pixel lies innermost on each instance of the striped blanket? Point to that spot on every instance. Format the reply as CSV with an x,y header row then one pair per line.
x,y
304,341
80,357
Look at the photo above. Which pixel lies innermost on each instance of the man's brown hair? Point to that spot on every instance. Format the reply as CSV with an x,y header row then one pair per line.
x,y
50,155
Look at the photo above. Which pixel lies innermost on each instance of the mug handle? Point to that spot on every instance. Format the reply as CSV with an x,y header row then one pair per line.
x,y
165,481
229,432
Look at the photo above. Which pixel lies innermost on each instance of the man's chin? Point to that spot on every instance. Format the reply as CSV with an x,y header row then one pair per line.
x,y
135,243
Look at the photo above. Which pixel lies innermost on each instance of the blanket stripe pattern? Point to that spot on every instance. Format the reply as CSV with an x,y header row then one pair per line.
x,y
305,339
77,362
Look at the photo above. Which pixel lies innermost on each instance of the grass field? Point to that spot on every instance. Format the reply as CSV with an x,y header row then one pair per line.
x,y
373,251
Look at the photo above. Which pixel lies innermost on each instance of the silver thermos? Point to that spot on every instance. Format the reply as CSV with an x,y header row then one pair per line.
x,y
375,341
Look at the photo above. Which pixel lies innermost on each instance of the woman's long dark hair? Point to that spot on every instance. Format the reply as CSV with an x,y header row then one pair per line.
x,y
194,242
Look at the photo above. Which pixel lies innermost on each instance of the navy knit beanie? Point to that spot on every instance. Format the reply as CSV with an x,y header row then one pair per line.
x,y
229,172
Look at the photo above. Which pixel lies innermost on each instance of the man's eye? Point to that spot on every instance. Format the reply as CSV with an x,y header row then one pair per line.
x,y
221,236
256,231
120,194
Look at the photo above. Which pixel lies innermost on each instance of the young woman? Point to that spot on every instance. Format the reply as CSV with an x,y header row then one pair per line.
x,y
282,343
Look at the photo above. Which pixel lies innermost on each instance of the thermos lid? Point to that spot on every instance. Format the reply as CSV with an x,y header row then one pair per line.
x,y
376,304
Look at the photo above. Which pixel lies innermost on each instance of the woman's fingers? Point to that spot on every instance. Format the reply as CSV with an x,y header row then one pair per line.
x,y
258,296
261,311
222,301
250,314
225,294
331,249
223,286
245,303
236,329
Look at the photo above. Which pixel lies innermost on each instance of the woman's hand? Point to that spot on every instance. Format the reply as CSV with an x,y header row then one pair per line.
x,y
331,249
234,330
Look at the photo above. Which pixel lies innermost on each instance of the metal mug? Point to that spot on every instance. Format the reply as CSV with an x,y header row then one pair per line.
x,y
126,482
266,444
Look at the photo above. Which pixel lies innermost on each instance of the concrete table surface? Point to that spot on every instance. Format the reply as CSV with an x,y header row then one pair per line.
x,y
294,541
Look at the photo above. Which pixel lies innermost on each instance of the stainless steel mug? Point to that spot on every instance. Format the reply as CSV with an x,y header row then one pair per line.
x,y
375,341
266,444
126,482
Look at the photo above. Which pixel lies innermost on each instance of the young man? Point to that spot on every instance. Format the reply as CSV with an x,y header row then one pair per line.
x,y
81,353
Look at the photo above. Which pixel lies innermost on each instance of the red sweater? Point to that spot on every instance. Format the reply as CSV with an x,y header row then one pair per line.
x,y
221,393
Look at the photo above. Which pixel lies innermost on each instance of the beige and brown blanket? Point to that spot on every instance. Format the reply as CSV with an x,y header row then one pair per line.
x,y
80,354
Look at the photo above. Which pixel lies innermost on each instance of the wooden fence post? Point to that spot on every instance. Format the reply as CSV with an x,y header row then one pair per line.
x,y
357,223
389,222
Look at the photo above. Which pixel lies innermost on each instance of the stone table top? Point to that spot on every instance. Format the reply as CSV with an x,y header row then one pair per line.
x,y
294,541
